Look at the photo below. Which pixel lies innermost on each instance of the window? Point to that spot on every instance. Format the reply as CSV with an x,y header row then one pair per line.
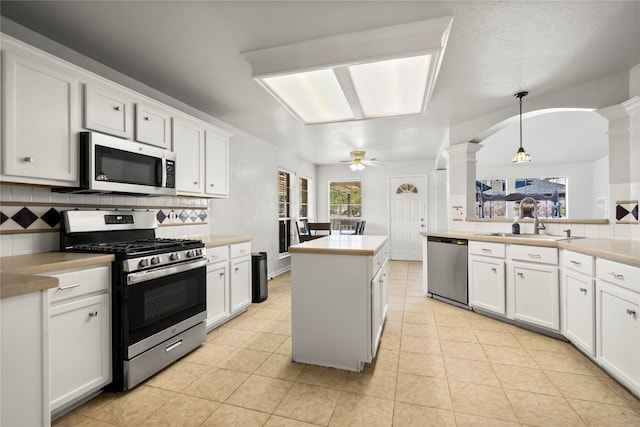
x,y
491,198
303,190
345,201
549,193
284,211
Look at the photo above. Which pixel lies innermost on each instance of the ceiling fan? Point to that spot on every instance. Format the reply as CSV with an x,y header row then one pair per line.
x,y
358,162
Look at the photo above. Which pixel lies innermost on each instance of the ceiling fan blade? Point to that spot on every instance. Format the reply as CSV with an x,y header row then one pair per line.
x,y
372,162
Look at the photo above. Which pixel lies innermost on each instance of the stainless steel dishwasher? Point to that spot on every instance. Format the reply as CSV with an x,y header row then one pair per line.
x,y
447,270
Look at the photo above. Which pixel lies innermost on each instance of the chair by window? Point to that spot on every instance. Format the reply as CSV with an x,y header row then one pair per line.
x,y
360,228
303,231
349,226
319,229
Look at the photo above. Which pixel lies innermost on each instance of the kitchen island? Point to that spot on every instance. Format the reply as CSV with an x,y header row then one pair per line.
x,y
338,300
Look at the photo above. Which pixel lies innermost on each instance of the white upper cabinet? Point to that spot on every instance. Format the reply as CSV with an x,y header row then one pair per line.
x,y
40,120
108,112
153,125
217,163
188,143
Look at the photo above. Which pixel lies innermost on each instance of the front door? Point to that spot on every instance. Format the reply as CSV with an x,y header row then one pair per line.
x,y
408,208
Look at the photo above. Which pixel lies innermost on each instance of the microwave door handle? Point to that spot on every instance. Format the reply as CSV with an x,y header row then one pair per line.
x,y
159,167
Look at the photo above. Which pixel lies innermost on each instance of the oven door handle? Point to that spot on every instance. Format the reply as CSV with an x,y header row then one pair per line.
x,y
143,276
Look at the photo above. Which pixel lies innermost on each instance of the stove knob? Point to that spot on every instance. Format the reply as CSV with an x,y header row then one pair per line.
x,y
174,257
143,263
190,254
199,252
155,260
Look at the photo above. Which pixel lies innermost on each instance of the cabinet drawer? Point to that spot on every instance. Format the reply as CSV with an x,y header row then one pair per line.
x,y
217,254
578,262
496,250
153,126
240,249
623,275
80,282
379,259
534,254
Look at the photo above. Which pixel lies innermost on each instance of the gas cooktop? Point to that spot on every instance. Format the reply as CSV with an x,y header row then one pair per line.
x,y
138,247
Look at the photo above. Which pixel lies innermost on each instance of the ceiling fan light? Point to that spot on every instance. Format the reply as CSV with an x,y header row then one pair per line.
x,y
521,156
356,166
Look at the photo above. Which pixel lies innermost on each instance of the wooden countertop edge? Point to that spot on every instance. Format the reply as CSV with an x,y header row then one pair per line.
x,y
21,274
333,251
573,245
223,239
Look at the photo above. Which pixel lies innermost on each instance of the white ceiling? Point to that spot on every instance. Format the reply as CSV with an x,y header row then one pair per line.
x,y
192,51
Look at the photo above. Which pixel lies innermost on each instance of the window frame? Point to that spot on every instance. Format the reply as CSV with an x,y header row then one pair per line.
x,y
336,219
284,217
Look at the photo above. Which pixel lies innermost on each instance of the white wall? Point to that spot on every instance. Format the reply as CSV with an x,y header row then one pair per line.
x,y
581,192
252,205
375,182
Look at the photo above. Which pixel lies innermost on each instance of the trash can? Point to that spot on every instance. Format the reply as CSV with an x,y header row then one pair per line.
x,y
259,288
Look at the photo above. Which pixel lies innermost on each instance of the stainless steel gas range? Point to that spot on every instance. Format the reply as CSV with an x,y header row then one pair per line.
x,y
158,293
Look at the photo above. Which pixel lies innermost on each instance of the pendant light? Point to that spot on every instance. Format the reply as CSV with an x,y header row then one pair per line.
x,y
521,155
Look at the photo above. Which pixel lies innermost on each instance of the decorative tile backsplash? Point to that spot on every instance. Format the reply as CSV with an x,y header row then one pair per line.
x,y
627,212
26,217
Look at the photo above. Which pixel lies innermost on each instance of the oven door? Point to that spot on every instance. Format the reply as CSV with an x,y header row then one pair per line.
x,y
161,303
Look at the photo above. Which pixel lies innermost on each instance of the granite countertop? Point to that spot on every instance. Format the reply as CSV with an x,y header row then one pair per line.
x,y
19,274
338,244
625,251
211,240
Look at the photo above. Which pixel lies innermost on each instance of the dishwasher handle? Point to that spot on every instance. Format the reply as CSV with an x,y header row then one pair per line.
x,y
448,240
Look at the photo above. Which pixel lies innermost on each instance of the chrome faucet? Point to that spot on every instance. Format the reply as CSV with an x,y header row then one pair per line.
x,y
537,224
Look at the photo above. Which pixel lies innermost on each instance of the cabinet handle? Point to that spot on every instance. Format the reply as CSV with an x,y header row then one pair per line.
x,y
211,185
117,108
29,159
486,250
583,290
616,275
221,274
534,255
495,270
62,288
520,274
631,312
146,118
93,314
237,268
576,263
172,346
195,182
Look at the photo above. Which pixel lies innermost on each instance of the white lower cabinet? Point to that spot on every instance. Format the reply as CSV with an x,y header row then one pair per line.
x,y
79,335
578,296
240,284
487,286
533,287
228,282
378,305
618,321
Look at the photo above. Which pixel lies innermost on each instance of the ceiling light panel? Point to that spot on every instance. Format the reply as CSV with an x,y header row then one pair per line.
x,y
314,96
392,87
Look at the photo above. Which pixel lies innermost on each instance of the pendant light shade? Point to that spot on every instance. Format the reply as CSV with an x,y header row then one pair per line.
x,y
521,155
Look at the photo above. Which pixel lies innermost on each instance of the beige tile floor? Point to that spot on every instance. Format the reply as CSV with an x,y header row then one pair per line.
x,y
437,365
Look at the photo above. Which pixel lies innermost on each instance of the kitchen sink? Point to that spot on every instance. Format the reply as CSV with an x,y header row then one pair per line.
x,y
531,236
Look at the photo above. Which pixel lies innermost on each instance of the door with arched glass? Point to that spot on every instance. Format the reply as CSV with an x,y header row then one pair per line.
x,y
407,217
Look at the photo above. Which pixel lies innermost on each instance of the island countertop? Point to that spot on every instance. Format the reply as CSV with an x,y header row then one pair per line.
x,y
625,251
342,244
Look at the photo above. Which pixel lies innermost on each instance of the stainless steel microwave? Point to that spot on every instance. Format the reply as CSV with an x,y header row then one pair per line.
x,y
113,165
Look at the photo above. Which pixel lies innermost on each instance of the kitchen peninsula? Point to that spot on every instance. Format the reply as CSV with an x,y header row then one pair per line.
x,y
338,300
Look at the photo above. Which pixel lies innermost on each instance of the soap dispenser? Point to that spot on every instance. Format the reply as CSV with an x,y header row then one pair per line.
x,y
515,227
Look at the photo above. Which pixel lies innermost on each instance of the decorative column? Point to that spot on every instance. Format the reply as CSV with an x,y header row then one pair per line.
x,y
624,166
462,183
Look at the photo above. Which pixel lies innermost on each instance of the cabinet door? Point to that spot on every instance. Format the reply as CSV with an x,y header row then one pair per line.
x,y
40,116
536,295
487,284
217,162
377,310
217,293
80,345
107,112
618,329
579,308
152,126
188,144
240,284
